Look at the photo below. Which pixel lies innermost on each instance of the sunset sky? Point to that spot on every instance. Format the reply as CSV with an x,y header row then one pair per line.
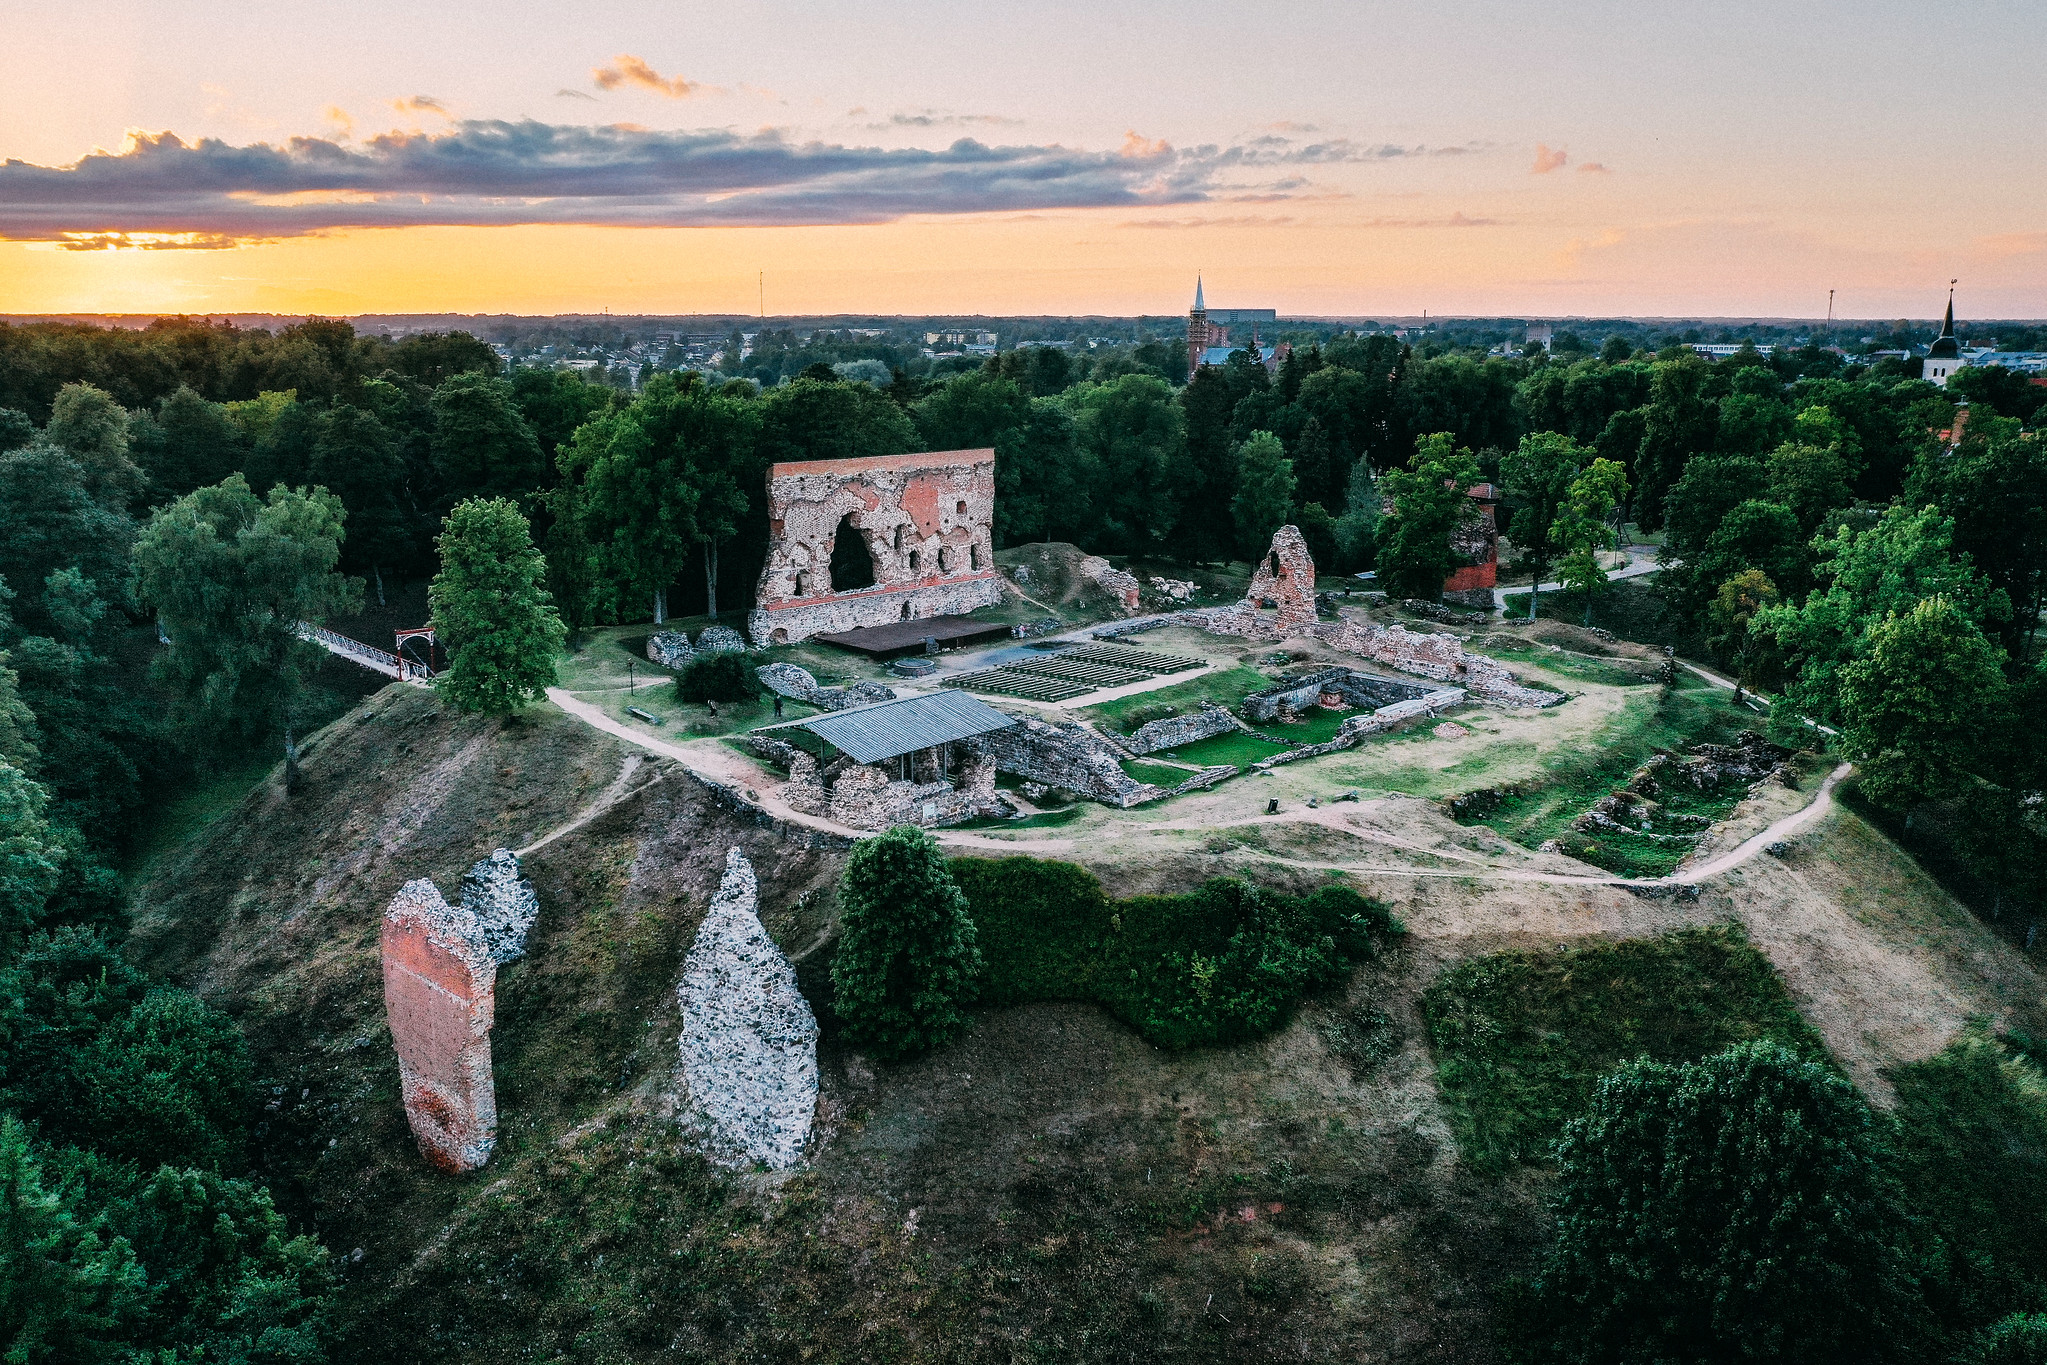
x,y
1322,158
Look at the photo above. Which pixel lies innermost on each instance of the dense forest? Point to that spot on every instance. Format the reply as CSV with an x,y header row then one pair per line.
x,y
1835,534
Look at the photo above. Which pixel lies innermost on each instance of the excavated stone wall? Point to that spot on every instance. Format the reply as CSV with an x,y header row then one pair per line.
x,y
670,649
1211,720
1305,690
749,1041
1122,586
1357,728
799,684
1068,756
925,520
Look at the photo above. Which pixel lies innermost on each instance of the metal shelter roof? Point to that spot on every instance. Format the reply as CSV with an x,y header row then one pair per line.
x,y
890,729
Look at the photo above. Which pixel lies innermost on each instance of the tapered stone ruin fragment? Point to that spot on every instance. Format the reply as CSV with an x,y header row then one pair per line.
x,y
749,1040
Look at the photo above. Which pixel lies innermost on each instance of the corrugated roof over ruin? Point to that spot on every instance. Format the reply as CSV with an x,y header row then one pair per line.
x,y
890,729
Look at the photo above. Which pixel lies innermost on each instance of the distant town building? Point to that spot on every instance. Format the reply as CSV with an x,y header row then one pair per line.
x,y
1208,334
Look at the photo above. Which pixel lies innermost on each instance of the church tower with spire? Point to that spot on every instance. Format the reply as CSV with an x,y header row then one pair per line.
x,y
1944,356
1198,330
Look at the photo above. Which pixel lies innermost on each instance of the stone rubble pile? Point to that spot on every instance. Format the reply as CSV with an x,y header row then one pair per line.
x,y
1173,731
502,903
749,1040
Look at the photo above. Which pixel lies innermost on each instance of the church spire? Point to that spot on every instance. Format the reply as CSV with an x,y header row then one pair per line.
x,y
1947,328
1201,307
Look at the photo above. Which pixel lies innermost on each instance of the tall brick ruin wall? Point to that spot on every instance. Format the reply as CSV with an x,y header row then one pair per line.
x,y
926,522
440,964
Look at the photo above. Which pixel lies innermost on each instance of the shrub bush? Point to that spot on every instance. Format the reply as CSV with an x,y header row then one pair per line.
x,y
724,676
1734,1208
1221,964
907,964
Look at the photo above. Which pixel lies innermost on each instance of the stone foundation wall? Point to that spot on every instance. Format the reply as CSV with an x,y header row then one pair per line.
x,y
799,684
1305,690
1357,728
925,522
1067,756
1211,720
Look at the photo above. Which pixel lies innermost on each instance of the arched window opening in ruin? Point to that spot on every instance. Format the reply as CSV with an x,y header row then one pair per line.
x,y
973,556
962,508
852,561
945,559
899,538
803,582
779,636
906,611
1272,565
913,559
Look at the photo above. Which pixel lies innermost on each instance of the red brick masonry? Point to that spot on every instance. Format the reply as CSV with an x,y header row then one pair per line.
x,y
439,984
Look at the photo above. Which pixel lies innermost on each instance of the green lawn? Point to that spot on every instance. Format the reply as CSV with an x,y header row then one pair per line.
x,y
1233,747
1226,686
1158,774
1520,1038
197,804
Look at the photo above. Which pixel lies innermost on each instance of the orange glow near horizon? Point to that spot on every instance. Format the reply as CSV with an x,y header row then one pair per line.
x,y
1333,262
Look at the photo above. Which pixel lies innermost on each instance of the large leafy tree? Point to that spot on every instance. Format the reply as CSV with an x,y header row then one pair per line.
x,y
1430,500
907,964
1132,434
191,443
1994,485
482,446
1919,702
234,579
1040,482
357,460
1678,422
1583,527
1735,1208
1537,476
492,611
49,522
1265,492
89,424
970,411
1866,576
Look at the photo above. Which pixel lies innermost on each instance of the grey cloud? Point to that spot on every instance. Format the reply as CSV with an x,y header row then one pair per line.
x,y
932,119
491,172
566,93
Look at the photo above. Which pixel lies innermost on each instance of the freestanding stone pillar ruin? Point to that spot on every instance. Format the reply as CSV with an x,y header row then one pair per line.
x,y
1285,577
440,982
749,1040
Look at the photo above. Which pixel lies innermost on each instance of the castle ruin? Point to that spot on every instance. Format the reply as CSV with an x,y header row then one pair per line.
x,y
924,523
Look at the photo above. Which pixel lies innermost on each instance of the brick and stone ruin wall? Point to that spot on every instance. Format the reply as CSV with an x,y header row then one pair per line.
x,y
943,785
799,684
924,522
1476,541
749,1041
440,966
1285,579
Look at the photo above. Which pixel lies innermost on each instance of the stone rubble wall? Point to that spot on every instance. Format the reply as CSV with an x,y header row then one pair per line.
x,y
1302,691
720,640
670,649
749,1040
501,902
1211,720
1120,585
1442,657
1068,756
440,981
799,684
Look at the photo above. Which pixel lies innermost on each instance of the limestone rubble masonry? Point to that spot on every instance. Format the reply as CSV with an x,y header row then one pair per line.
x,y
749,1040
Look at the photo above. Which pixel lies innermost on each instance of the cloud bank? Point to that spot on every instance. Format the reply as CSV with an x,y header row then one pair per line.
x,y
496,172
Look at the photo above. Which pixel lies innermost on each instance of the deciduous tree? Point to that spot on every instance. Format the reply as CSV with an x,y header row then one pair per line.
x,y
491,610
907,964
